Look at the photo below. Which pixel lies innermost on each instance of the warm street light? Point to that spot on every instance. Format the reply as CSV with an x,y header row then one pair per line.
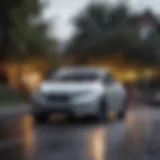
x,y
131,75
148,73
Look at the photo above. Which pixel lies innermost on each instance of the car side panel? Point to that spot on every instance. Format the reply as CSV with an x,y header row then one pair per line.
x,y
115,97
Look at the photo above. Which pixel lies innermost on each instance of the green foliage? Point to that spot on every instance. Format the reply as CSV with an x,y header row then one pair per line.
x,y
25,30
9,97
102,29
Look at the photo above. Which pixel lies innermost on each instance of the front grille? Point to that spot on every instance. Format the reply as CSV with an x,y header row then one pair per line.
x,y
58,98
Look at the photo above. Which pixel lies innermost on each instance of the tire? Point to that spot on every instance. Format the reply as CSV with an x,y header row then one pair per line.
x,y
40,118
72,118
122,112
102,111
121,115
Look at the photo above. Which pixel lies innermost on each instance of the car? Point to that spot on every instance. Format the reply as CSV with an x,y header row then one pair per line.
x,y
79,92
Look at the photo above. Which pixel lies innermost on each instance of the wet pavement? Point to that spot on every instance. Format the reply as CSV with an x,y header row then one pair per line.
x,y
136,137
89,140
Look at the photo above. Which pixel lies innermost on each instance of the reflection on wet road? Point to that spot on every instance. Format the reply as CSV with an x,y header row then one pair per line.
x,y
85,140
71,142
115,140
97,146
29,136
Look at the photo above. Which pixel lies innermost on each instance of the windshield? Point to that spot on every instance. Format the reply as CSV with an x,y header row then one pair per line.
x,y
76,76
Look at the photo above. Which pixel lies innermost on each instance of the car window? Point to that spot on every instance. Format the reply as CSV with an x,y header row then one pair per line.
x,y
76,76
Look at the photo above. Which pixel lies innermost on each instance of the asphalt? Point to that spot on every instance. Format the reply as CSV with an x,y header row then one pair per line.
x,y
89,140
135,137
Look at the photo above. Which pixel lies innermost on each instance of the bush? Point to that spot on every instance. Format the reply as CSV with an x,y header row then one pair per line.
x,y
9,96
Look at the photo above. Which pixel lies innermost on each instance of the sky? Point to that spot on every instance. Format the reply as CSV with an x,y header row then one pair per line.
x,y
60,13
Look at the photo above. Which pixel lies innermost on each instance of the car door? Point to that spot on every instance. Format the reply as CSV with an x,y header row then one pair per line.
x,y
114,94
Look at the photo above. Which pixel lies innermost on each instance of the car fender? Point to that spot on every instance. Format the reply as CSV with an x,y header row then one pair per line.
x,y
116,97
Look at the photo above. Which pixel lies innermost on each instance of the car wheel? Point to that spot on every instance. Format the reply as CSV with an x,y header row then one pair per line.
x,y
122,112
72,118
40,118
102,111
121,115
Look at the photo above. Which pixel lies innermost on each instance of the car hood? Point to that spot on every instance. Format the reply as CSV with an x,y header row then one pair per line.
x,y
72,87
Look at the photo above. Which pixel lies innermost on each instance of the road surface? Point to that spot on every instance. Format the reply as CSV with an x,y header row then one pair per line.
x,y
136,137
115,140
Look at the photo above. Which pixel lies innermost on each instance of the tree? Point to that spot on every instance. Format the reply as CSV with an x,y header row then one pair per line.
x,y
29,32
100,26
102,29
25,32
90,26
5,22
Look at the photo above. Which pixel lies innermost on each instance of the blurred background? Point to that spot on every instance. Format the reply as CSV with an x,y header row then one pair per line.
x,y
39,36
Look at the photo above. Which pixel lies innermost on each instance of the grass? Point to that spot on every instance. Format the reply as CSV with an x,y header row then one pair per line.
x,y
9,104
8,97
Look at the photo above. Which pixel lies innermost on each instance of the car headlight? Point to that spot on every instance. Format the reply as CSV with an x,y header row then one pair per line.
x,y
85,98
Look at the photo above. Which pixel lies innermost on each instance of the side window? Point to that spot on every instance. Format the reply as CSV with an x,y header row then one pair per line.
x,y
109,79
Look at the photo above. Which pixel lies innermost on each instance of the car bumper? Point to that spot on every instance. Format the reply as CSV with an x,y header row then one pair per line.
x,y
78,110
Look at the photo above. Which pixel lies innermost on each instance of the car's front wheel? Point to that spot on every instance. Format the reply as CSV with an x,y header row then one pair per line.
x,y
102,111
40,118
122,112
72,118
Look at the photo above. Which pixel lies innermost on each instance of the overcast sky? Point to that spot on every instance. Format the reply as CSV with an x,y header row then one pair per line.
x,y
64,10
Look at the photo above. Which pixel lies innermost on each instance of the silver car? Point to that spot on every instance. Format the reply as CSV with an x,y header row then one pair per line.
x,y
79,92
